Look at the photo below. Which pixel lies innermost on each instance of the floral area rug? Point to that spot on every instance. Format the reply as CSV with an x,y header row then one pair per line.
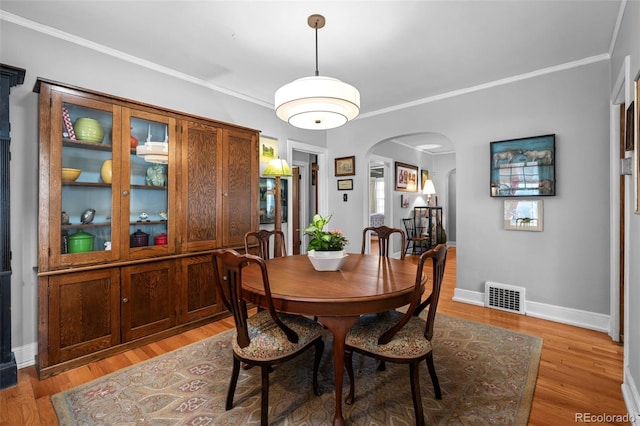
x,y
487,376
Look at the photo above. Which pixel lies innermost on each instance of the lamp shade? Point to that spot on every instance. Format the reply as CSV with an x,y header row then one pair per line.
x,y
277,167
429,188
317,103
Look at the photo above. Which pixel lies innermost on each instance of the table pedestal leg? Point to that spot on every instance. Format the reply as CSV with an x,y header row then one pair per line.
x,y
339,326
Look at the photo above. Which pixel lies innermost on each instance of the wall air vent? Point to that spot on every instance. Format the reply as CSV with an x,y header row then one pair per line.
x,y
504,297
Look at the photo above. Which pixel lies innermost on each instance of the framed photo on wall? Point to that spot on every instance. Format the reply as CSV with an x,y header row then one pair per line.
x,y
345,166
523,167
345,184
523,215
424,177
406,177
404,201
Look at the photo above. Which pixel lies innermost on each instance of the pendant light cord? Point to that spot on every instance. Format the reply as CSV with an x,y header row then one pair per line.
x,y
316,28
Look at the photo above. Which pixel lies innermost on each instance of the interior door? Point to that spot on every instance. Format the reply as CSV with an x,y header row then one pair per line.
x,y
295,219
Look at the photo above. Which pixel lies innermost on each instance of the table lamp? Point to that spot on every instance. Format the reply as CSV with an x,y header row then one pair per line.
x,y
430,190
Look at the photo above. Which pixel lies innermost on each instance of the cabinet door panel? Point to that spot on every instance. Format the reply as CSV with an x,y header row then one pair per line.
x,y
240,181
83,313
198,293
80,209
202,189
148,302
148,201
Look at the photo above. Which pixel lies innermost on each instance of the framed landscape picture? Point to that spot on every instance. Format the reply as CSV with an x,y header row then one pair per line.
x,y
345,166
523,167
406,177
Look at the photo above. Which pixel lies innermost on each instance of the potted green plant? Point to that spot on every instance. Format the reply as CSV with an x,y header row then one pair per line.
x,y
326,248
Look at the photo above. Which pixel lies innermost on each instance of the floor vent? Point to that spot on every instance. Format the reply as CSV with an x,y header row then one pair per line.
x,y
504,297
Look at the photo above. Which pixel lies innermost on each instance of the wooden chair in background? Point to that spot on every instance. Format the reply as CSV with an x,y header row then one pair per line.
x,y
384,233
259,243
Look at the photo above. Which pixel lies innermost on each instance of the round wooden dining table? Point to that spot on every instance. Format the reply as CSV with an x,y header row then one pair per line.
x,y
365,284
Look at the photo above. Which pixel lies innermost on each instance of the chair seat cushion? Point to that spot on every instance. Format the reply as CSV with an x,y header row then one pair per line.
x,y
268,341
408,343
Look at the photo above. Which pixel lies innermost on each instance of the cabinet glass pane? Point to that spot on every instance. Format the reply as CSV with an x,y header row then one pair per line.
x,y
149,196
86,179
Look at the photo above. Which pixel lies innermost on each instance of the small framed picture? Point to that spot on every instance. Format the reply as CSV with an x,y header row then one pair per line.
x,y
523,215
268,149
404,201
424,177
346,166
345,184
406,177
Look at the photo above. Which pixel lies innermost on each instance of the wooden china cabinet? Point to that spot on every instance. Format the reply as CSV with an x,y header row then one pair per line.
x,y
124,247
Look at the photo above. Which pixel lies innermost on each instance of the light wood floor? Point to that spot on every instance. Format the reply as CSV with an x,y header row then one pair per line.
x,y
580,370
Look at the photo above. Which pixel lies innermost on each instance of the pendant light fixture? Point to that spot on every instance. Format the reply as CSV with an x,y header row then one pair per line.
x,y
317,102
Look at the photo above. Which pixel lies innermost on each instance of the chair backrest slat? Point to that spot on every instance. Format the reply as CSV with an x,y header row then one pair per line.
x,y
227,267
263,238
438,255
384,236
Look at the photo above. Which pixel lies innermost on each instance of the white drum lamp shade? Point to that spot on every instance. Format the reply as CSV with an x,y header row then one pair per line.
x,y
317,103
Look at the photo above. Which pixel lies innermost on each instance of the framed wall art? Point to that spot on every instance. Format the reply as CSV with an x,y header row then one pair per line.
x,y
268,149
629,139
345,184
345,166
406,177
404,201
523,167
424,177
523,215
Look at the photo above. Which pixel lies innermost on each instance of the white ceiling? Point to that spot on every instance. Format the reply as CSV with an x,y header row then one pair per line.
x,y
394,52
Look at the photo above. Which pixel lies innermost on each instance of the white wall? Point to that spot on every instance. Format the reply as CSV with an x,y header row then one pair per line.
x,y
574,105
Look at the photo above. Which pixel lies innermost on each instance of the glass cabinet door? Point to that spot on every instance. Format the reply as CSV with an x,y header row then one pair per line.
x,y
82,149
146,207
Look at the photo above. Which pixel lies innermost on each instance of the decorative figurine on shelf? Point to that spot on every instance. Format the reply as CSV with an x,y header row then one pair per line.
x,y
87,216
163,215
156,175
65,218
144,216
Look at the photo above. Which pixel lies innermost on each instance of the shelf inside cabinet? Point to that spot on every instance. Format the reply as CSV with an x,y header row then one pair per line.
x,y
86,226
86,145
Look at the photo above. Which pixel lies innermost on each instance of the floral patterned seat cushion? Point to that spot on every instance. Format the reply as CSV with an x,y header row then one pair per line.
x,y
268,341
407,343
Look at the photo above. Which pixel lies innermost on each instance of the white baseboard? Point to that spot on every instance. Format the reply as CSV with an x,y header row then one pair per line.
x,y
25,355
570,316
631,396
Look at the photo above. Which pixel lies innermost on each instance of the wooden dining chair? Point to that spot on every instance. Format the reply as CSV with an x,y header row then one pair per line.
x,y
261,242
415,240
267,337
404,338
384,236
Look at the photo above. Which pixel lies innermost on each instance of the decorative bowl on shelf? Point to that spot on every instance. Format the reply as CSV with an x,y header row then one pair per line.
x,y
70,175
88,130
327,260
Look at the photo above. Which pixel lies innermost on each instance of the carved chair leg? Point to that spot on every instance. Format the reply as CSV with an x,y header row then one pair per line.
x,y
232,383
434,377
264,403
414,374
348,363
